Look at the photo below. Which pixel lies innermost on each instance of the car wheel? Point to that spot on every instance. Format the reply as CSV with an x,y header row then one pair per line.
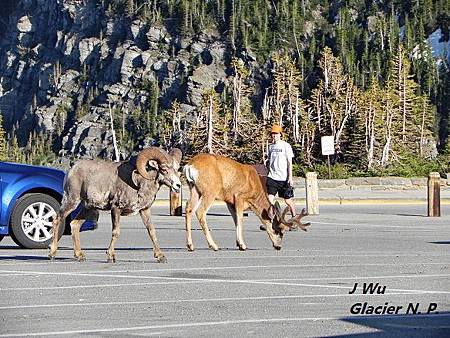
x,y
1,237
31,222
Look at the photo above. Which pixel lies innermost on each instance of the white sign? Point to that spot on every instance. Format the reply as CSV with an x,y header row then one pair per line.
x,y
327,143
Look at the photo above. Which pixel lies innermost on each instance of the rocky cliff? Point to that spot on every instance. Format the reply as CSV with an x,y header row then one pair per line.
x,y
62,63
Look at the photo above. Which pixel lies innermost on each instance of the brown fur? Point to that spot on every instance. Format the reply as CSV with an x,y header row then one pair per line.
x,y
239,186
120,188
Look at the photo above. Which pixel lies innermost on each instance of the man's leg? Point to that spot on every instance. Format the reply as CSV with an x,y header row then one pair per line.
x,y
290,203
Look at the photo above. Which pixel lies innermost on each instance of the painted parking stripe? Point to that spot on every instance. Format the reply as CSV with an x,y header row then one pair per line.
x,y
246,257
201,300
196,281
243,267
220,323
230,281
175,301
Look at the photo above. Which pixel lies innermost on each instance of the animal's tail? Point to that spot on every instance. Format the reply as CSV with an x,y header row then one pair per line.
x,y
190,173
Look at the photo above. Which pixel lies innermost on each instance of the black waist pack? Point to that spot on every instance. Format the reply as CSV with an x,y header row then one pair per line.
x,y
288,191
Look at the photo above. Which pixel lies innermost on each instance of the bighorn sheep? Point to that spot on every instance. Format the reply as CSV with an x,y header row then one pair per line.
x,y
213,177
125,188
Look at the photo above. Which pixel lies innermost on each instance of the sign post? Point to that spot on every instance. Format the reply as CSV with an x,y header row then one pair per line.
x,y
327,143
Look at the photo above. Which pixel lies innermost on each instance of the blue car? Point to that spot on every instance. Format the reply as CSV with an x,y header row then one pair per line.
x,y
30,198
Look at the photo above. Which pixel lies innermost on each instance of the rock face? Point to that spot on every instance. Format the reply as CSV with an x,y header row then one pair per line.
x,y
62,63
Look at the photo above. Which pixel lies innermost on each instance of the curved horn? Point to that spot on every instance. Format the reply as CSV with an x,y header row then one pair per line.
x,y
145,155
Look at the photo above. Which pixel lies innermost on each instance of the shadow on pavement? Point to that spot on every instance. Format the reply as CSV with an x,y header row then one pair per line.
x,y
396,214
24,258
440,242
431,325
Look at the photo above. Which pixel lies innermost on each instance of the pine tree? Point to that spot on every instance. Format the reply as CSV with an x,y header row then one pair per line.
x,y
367,132
3,149
336,101
173,127
15,153
207,132
404,87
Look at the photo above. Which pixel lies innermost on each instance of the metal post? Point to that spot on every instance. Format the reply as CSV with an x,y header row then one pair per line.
x,y
175,204
434,195
329,167
312,193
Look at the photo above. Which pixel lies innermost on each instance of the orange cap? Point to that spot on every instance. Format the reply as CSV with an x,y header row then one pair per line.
x,y
276,129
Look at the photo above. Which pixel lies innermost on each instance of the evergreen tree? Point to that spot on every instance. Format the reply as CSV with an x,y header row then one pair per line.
x,y
3,150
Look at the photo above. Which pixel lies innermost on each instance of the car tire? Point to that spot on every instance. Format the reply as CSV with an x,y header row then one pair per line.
x,y
31,221
1,237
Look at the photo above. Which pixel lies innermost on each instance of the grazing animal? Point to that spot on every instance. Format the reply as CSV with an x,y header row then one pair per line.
x,y
213,177
125,188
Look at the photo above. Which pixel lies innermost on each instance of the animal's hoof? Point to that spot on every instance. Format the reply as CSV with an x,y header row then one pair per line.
x,y
161,259
262,227
80,256
241,247
111,260
52,257
214,247
190,247
277,247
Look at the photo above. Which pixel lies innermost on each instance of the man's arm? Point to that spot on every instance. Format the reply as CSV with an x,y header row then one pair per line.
x,y
290,178
289,157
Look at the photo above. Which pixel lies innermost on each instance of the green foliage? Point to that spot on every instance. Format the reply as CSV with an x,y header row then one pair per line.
x,y
61,115
82,111
333,68
3,150
14,153
338,170
416,166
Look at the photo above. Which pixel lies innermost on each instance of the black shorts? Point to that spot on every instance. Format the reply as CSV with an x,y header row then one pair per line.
x,y
279,187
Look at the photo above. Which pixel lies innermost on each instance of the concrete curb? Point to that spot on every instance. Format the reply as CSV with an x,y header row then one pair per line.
x,y
301,201
374,183
356,190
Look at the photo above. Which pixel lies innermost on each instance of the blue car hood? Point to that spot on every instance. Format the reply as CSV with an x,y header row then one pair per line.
x,y
32,169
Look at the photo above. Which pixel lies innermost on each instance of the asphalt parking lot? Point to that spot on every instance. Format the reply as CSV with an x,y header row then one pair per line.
x,y
399,259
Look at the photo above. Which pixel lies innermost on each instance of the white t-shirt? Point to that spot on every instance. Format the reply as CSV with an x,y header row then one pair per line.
x,y
279,154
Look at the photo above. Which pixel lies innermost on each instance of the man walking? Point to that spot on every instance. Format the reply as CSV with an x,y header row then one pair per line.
x,y
279,180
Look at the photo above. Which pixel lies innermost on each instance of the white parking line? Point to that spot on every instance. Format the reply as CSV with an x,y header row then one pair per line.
x,y
53,288
221,323
243,267
421,228
185,281
246,257
196,281
216,280
174,301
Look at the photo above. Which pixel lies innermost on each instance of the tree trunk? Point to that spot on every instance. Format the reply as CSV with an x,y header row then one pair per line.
x,y
210,125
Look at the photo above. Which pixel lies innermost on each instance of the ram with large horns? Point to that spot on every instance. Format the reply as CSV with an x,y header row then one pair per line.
x,y
124,188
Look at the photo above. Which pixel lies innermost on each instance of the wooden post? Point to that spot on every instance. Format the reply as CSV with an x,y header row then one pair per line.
x,y
175,203
312,193
434,195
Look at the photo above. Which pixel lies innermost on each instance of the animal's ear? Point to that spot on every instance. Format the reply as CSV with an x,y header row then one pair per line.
x,y
277,210
134,176
270,212
274,210
153,164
